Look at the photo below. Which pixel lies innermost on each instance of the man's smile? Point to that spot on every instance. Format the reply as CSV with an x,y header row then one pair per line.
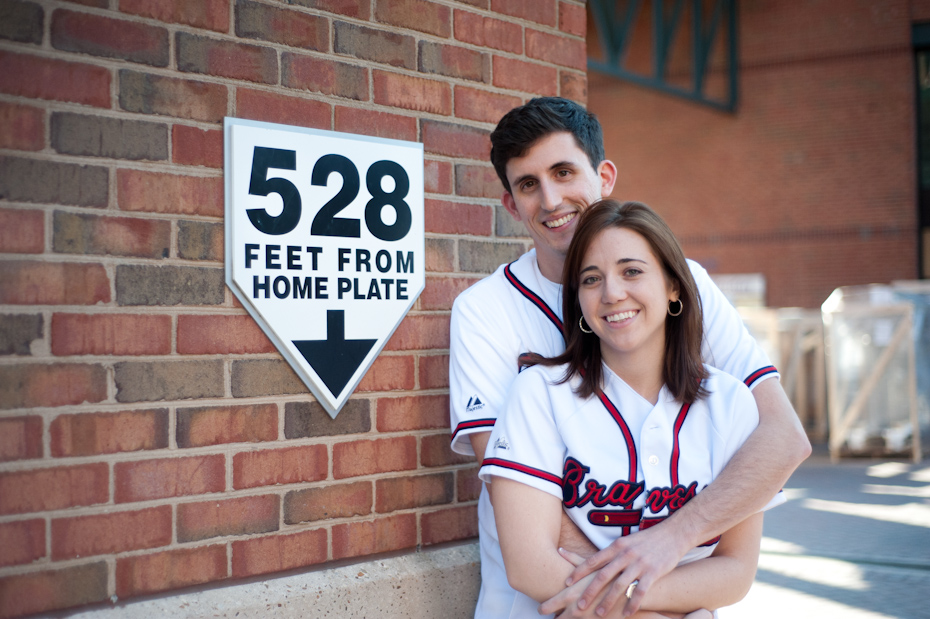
x,y
561,221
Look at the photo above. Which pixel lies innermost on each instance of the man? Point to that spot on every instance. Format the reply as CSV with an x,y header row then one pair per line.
x,y
549,156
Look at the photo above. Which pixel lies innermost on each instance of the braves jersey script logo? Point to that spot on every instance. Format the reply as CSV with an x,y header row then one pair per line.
x,y
578,492
474,404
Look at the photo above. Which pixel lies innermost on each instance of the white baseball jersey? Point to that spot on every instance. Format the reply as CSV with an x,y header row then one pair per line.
x,y
517,310
617,462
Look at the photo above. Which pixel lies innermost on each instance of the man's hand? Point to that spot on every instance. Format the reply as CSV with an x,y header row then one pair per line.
x,y
645,556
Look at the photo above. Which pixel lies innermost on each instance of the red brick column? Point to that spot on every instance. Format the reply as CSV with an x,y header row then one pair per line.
x,y
151,438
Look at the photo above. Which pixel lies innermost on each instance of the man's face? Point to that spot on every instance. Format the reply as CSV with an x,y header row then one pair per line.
x,y
550,186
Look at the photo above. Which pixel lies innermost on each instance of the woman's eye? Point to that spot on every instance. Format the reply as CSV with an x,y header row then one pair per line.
x,y
587,281
632,272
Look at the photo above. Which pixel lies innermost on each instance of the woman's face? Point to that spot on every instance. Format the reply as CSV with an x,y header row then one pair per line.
x,y
624,295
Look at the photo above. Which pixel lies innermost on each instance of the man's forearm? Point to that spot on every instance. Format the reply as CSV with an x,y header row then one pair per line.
x,y
571,538
754,474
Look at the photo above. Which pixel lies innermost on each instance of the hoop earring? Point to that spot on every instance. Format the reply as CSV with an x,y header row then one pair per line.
x,y
581,326
681,307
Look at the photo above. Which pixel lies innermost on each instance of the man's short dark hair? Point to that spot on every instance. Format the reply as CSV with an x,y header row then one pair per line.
x,y
523,126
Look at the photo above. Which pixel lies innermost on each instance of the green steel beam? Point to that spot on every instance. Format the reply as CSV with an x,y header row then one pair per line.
x,y
615,32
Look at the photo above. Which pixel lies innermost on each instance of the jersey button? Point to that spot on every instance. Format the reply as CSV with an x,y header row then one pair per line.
x,y
653,460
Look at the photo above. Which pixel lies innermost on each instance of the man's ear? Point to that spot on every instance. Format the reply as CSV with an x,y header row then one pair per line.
x,y
607,172
510,204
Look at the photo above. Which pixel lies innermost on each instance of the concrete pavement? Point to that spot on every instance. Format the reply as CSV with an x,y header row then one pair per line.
x,y
852,542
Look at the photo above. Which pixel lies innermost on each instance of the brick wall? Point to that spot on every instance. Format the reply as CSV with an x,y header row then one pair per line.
x,y
150,436
812,182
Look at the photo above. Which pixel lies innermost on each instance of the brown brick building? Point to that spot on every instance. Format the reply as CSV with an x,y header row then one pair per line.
x,y
812,181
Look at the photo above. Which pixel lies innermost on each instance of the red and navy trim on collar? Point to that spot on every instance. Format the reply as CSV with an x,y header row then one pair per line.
x,y
522,468
533,298
625,429
759,375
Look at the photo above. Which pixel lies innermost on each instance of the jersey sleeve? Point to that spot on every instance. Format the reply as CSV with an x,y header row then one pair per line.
x,y
735,422
483,354
728,346
526,445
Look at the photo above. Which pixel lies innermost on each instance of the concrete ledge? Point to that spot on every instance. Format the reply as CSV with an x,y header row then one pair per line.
x,y
433,583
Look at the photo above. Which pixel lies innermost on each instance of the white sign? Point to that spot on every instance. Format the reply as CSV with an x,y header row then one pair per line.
x,y
324,244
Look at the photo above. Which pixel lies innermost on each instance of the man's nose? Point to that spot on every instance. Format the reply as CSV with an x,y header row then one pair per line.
x,y
551,198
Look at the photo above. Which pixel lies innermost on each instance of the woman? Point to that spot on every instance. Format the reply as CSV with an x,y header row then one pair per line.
x,y
626,425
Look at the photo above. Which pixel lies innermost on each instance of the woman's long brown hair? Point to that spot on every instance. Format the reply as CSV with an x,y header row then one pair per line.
x,y
683,369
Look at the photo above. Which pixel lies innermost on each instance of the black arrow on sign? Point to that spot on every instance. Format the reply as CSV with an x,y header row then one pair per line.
x,y
335,359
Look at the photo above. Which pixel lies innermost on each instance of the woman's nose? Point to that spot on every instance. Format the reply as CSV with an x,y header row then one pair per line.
x,y
614,290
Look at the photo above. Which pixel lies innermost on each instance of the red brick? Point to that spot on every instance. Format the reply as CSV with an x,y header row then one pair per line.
x,y
488,32
277,553
200,147
154,192
440,292
254,514
539,11
412,93
20,438
382,535
53,283
556,49
325,76
375,45
413,413
278,25
437,175
378,124
59,384
378,456
80,233
100,4
434,371
427,17
420,333
269,107
44,78
396,493
336,501
42,490
513,74
453,61
389,374
22,231
110,334
217,58
467,484
456,218
483,106
455,140
215,425
22,541
99,433
50,590
147,480
573,86
435,450
203,335
440,255
269,467
111,38
156,94
170,570
477,181
351,8
209,14
451,524
573,19
21,127
111,533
